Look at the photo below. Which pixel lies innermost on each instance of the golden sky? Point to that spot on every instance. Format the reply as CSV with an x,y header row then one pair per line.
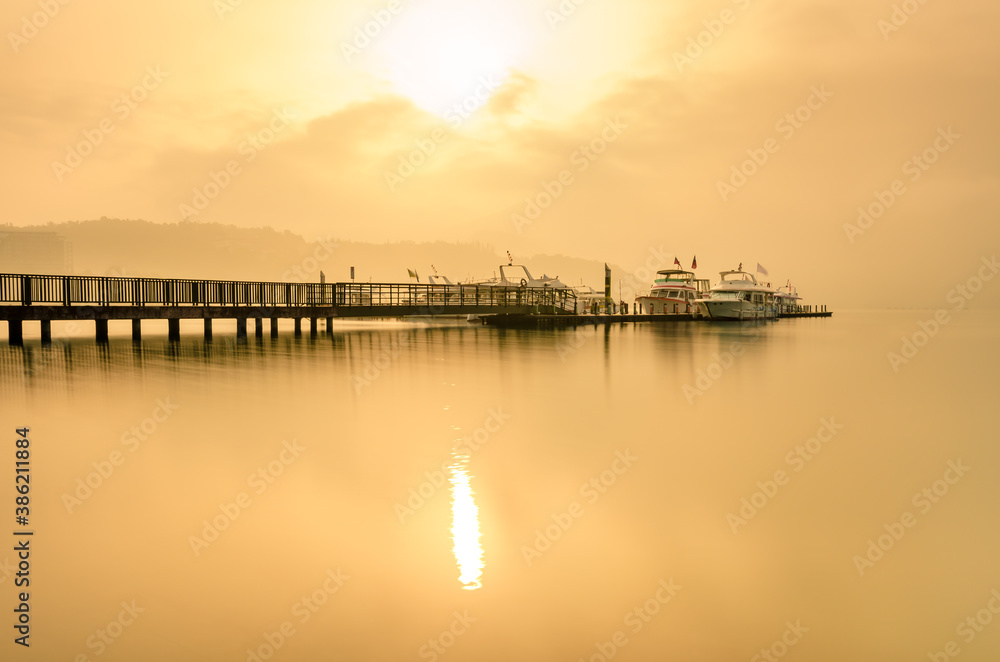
x,y
627,123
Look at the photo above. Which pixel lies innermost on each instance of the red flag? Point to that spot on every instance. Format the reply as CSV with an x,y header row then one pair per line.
x,y
677,262
694,262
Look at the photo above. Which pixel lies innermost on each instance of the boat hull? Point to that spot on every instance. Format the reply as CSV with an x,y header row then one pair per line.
x,y
736,310
665,306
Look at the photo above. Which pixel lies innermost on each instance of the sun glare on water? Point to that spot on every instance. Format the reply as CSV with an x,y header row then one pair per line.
x,y
465,527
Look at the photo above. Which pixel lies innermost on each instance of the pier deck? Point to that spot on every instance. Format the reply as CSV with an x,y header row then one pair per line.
x,y
26,297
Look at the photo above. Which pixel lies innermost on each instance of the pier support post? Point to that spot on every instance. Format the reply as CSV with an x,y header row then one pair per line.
x,y
208,328
14,334
46,331
241,327
137,329
298,327
101,330
329,324
258,327
313,326
173,329
274,327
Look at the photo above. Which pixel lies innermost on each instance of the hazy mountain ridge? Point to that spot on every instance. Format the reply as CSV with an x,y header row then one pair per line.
x,y
126,247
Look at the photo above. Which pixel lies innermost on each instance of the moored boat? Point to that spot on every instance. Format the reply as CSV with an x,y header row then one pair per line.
x,y
787,299
738,296
673,291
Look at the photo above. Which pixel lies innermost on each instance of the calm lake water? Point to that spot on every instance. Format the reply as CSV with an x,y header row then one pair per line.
x,y
682,491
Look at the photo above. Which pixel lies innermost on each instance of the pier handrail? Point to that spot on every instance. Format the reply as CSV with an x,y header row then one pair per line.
x,y
32,289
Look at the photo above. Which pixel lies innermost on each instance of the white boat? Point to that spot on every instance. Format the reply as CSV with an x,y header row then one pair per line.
x,y
673,291
738,296
787,299
517,275
587,298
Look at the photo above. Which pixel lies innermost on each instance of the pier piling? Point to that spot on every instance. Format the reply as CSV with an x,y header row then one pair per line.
x,y
101,330
14,334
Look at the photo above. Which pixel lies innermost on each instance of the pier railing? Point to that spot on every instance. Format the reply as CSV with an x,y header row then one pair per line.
x,y
29,290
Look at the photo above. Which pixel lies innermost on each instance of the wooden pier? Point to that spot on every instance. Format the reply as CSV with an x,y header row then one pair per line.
x,y
44,299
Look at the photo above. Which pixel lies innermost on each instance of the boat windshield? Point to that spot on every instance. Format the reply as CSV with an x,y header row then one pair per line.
x,y
727,296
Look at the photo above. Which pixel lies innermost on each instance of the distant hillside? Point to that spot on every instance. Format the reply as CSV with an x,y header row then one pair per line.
x,y
206,250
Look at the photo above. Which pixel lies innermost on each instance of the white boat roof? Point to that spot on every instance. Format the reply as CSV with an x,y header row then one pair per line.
x,y
738,281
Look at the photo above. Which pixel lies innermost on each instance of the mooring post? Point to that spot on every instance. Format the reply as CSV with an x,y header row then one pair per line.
x,y
174,328
101,330
137,329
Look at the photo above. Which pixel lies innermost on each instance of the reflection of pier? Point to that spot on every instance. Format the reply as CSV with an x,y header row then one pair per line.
x,y
98,298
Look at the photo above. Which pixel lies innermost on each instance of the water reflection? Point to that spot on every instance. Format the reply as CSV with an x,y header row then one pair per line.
x,y
465,525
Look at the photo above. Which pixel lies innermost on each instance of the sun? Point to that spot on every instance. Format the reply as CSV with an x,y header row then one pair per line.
x,y
448,54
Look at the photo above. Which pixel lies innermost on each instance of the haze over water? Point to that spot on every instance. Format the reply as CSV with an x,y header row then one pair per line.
x,y
516,494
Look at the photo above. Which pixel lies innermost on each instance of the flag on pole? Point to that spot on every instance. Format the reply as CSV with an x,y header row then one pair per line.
x,y
761,269
677,262
413,274
694,262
